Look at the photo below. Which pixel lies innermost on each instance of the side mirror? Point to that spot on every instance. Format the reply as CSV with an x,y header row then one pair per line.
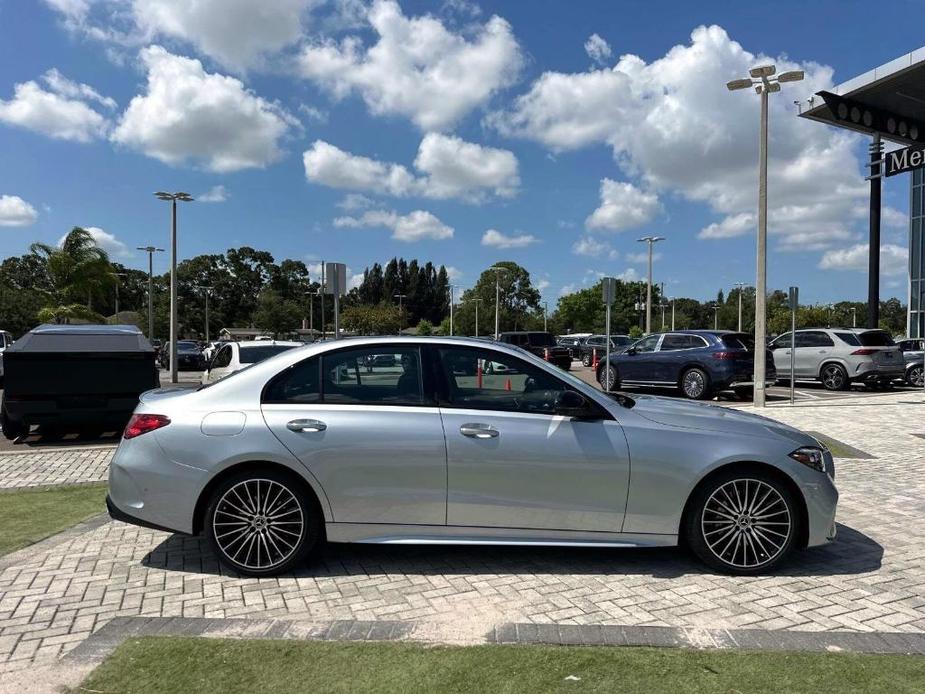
x,y
571,404
630,350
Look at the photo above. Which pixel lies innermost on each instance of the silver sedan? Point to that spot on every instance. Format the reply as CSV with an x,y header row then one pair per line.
x,y
415,440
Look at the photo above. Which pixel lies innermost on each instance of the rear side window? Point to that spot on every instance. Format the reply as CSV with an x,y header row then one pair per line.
x,y
252,355
849,339
380,376
673,342
876,338
297,384
739,341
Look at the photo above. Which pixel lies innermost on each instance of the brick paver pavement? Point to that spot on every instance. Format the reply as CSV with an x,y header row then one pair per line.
x,y
54,466
53,595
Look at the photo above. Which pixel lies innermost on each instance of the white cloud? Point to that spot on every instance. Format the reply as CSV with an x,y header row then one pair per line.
x,y
672,123
417,68
597,49
190,114
728,227
16,212
313,114
496,239
594,248
61,112
542,285
214,194
414,226
894,218
108,242
894,260
352,202
447,167
455,274
568,289
237,33
629,275
623,206
643,257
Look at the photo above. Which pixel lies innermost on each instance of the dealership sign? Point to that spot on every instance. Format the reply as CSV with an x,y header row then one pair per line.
x,y
903,160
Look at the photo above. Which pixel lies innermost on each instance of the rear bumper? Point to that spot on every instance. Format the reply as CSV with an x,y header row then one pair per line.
x,y
118,514
878,372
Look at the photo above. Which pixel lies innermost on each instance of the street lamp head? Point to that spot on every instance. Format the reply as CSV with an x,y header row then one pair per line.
x,y
762,71
735,85
163,196
167,197
790,76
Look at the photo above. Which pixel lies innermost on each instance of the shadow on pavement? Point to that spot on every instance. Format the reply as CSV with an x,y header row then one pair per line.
x,y
56,438
852,553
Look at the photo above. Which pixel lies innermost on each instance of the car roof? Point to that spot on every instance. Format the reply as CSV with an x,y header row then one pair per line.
x,y
263,343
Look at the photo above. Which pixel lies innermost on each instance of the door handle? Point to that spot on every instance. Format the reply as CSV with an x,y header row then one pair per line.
x,y
306,426
478,431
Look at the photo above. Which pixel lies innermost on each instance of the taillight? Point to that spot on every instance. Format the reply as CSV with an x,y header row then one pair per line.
x,y
143,423
863,352
725,355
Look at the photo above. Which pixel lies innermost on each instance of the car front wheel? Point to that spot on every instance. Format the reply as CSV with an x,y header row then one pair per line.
x,y
914,377
586,360
743,523
611,375
261,523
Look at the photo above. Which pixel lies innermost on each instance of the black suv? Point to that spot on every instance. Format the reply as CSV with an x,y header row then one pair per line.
x,y
541,344
599,342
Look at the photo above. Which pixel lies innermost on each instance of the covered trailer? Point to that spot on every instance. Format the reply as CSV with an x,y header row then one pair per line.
x,y
75,376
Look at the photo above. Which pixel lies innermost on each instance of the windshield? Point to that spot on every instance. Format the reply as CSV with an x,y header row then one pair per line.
x,y
187,347
876,338
541,340
252,355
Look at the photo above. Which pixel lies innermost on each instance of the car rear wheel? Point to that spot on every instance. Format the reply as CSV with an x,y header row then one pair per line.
x,y
262,523
586,360
11,429
744,393
695,384
743,523
914,377
834,377
613,378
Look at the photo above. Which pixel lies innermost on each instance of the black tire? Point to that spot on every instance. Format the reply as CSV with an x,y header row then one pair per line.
x,y
12,429
586,360
295,518
614,378
754,546
744,393
914,376
695,384
834,377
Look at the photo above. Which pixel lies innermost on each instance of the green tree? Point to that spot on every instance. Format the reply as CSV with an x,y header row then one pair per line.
x,y
275,314
366,319
425,327
78,271
19,308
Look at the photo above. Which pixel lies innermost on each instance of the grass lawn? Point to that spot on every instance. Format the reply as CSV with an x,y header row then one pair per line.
x,y
30,515
838,448
205,665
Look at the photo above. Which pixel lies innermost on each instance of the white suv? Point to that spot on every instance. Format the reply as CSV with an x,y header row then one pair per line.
x,y
6,339
229,357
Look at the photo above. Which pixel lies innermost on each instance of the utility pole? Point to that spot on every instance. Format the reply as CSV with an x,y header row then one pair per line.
x,y
117,275
763,81
150,250
498,270
476,301
651,240
672,313
664,305
401,313
715,317
172,198
452,302
545,316
206,289
741,286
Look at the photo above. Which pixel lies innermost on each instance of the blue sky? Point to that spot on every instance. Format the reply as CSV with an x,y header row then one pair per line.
x,y
549,133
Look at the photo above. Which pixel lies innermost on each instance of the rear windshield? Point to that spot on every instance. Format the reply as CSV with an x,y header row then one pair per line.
x,y
252,355
187,346
739,341
541,340
876,338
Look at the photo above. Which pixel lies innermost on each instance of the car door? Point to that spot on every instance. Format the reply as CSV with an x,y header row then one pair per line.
x,y
364,427
512,462
221,364
666,360
812,346
780,351
636,364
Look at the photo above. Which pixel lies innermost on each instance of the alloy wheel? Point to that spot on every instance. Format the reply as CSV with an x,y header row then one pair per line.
x,y
915,376
693,384
833,378
610,375
746,523
258,524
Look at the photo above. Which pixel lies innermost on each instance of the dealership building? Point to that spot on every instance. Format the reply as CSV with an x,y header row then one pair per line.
x,y
887,104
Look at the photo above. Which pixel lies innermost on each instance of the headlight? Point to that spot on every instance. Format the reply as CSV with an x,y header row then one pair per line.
x,y
810,456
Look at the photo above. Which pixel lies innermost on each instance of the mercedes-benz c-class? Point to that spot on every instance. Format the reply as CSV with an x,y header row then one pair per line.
x,y
461,441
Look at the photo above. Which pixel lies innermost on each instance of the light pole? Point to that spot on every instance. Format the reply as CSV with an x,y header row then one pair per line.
x,y
664,305
150,250
715,317
545,316
117,275
401,314
498,270
476,301
651,240
452,301
854,317
172,198
741,286
206,290
672,313
763,80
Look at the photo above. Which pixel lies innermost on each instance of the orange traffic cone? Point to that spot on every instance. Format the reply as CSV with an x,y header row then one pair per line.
x,y
507,385
546,353
594,362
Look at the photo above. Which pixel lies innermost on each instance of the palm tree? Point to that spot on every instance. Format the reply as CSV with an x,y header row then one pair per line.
x,y
78,269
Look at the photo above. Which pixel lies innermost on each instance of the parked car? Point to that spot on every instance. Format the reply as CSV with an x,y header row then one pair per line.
x,y
572,343
541,344
599,343
189,356
913,350
286,454
71,376
838,357
6,339
698,363
234,356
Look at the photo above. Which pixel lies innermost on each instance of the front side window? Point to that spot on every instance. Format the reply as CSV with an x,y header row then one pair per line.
x,y
483,379
647,344
373,375
223,358
783,342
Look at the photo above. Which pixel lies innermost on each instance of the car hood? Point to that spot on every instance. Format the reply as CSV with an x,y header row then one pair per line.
x,y
701,415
